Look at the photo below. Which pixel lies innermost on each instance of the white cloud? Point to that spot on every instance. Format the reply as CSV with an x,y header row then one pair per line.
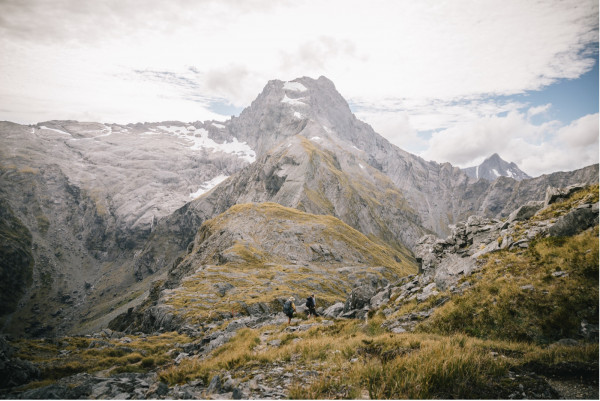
x,y
396,127
581,133
536,149
408,65
537,110
424,51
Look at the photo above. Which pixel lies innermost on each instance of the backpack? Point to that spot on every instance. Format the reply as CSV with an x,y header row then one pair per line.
x,y
287,307
309,302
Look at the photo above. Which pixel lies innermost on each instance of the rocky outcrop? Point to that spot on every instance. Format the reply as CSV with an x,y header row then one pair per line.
x,y
443,262
13,370
449,259
16,259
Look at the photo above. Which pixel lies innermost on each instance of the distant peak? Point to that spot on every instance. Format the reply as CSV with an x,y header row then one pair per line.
x,y
494,167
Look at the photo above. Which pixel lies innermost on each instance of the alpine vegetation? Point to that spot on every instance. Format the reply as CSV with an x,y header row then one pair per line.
x,y
288,252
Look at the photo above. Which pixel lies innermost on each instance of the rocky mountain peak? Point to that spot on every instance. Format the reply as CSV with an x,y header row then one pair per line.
x,y
494,167
285,108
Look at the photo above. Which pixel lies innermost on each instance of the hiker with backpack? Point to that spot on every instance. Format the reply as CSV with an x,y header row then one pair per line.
x,y
311,304
289,308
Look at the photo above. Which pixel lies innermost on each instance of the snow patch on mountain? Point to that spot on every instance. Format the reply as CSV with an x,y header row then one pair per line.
x,y
294,87
293,102
208,185
200,140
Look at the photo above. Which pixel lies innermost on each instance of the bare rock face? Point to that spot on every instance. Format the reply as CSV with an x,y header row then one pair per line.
x,y
446,261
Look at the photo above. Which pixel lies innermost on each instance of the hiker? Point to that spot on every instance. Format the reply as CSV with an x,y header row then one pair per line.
x,y
311,304
289,308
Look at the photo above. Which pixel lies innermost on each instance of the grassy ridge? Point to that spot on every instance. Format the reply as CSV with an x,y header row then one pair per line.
x,y
259,271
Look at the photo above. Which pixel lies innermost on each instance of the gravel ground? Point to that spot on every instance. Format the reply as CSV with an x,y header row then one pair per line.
x,y
574,390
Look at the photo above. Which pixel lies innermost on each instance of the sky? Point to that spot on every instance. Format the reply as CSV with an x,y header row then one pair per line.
x,y
452,81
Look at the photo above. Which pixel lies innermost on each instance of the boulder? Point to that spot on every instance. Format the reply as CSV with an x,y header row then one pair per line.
x,y
215,385
334,310
359,297
380,298
526,211
575,222
556,194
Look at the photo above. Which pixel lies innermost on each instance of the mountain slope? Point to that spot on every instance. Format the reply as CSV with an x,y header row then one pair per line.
x,y
253,256
494,167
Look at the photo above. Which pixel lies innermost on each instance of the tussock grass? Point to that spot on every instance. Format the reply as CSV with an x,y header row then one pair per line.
x,y
517,296
260,273
588,194
140,355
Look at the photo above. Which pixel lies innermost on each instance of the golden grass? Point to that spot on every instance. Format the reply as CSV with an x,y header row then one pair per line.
x,y
140,355
259,276
502,304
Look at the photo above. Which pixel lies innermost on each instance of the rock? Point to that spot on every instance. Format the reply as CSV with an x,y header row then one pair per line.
x,y
181,357
589,331
106,332
555,194
228,384
14,371
235,325
428,292
158,388
528,287
334,310
359,297
575,222
568,342
380,298
451,268
526,211
214,385
238,394
222,288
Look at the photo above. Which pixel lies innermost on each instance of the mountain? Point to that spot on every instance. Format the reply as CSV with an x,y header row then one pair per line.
x,y
517,319
255,254
97,212
494,167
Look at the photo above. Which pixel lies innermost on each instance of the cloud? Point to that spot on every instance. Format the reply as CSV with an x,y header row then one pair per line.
x,y
405,66
536,149
581,133
395,127
537,110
